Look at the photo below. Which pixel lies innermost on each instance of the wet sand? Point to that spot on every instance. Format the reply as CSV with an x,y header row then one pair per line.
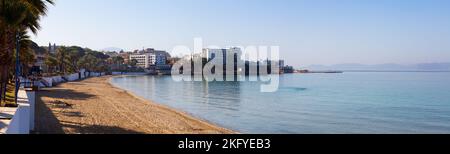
x,y
94,106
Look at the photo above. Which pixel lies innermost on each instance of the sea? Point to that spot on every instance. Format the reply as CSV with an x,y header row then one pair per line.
x,y
346,103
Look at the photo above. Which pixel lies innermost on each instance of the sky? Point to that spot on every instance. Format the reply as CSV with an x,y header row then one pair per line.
x,y
307,31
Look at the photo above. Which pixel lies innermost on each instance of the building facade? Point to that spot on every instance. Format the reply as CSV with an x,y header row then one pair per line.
x,y
125,56
143,60
150,57
160,58
220,55
220,58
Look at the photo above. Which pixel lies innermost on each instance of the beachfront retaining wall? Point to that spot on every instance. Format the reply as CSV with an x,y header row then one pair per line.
x,y
52,81
129,73
31,99
73,77
23,119
57,79
49,81
96,74
82,72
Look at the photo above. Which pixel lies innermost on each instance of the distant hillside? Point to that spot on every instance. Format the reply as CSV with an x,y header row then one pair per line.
x,y
112,49
384,67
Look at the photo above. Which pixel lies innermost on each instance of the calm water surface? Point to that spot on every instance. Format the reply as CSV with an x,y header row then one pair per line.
x,y
353,102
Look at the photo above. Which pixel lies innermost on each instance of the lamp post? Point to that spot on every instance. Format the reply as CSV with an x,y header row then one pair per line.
x,y
17,72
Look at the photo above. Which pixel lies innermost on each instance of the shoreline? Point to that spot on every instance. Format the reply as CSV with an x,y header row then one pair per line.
x,y
188,115
96,106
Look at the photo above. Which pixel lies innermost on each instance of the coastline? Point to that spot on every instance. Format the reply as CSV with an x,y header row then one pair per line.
x,y
187,115
96,106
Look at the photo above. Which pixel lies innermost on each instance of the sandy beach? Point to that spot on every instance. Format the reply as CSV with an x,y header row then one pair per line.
x,y
94,106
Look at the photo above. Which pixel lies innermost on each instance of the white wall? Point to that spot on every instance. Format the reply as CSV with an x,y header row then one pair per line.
x,y
129,73
57,79
32,101
82,73
72,77
97,74
23,118
21,121
49,81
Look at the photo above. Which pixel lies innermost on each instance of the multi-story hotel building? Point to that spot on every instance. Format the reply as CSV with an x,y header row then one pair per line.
x,y
220,58
150,57
143,60
220,55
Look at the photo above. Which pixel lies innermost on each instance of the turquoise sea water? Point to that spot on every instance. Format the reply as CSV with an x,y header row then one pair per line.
x,y
352,102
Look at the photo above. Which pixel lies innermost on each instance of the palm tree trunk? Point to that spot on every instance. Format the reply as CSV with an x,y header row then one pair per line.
x,y
4,62
17,69
8,80
2,81
9,44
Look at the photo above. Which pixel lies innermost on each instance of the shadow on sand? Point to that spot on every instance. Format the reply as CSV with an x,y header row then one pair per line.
x,y
96,129
46,122
68,94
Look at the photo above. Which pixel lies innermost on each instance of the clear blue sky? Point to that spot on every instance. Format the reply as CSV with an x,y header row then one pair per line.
x,y
307,31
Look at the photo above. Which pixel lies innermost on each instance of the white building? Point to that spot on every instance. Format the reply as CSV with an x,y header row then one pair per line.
x,y
143,60
221,54
229,58
147,59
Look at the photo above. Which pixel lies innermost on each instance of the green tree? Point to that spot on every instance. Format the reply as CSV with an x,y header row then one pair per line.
x,y
27,56
117,63
62,56
51,63
16,16
89,62
118,60
73,56
133,63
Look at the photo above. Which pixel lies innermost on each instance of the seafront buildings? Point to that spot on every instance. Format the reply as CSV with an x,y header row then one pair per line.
x,y
221,54
160,62
142,60
232,62
153,61
150,57
224,57
125,56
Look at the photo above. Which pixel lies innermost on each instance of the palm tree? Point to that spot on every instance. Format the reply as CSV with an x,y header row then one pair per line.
x,y
27,57
74,54
51,63
88,62
62,56
133,63
16,16
117,62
